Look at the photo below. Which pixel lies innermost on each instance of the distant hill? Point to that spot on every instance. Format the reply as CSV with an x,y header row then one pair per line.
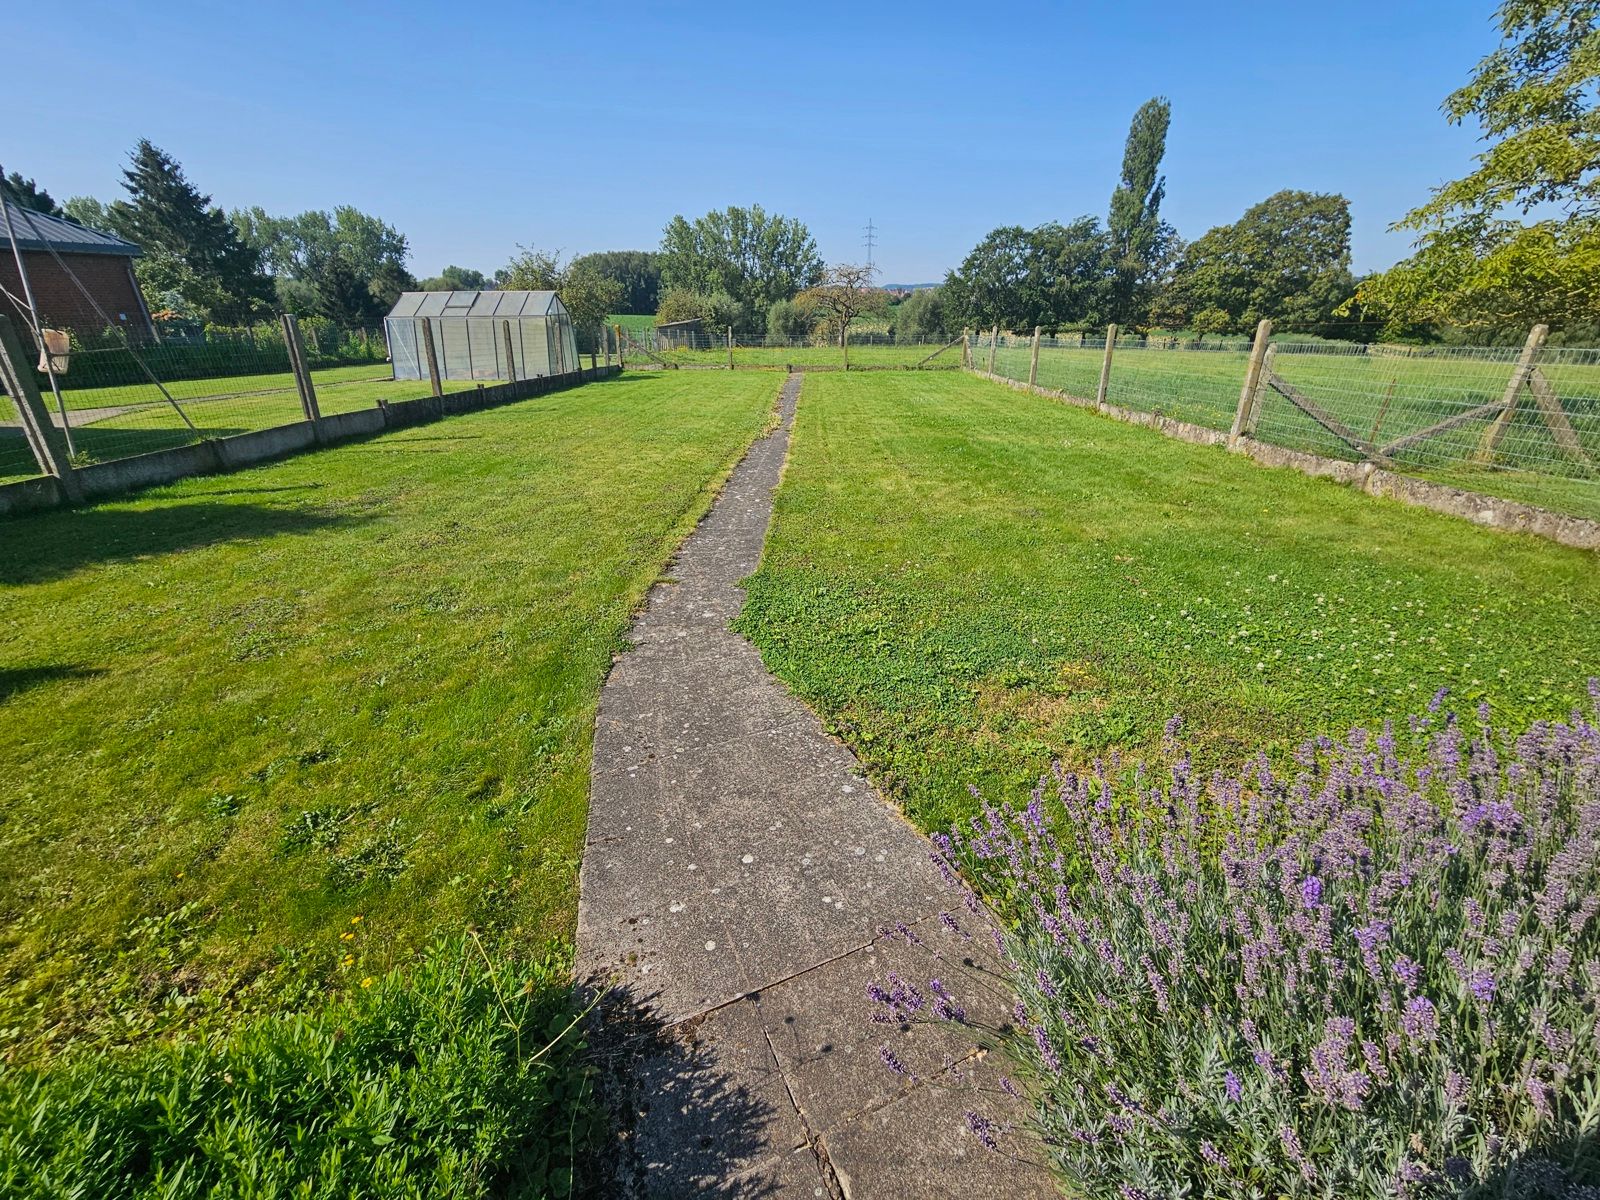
x,y
906,287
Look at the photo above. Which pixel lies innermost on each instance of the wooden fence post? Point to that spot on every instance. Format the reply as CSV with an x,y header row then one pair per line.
x,y
1105,366
1513,393
297,363
621,362
966,348
433,357
605,340
844,344
1033,363
44,439
511,356
1249,410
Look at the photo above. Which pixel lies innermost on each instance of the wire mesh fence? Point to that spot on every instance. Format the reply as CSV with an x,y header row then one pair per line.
x,y
114,399
1523,424
866,348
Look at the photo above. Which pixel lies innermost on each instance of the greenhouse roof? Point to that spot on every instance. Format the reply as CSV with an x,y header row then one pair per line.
x,y
477,304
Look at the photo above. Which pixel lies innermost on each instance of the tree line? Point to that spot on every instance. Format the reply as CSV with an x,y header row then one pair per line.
x,y
1514,242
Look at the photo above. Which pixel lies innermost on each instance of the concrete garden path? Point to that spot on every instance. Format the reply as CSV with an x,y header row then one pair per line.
x,y
738,871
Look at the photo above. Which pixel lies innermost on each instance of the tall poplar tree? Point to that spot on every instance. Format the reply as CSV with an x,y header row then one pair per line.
x,y
1139,239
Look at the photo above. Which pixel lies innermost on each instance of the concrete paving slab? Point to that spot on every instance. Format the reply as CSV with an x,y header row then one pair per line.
x,y
738,872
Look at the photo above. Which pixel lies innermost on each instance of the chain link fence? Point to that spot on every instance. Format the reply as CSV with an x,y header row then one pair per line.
x,y
1522,424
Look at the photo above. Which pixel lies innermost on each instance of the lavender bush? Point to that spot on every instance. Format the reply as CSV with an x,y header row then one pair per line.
x,y
1377,974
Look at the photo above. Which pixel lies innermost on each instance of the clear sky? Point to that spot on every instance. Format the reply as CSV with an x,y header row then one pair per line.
x,y
479,125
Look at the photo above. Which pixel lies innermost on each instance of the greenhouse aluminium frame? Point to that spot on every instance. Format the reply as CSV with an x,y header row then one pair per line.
x,y
482,335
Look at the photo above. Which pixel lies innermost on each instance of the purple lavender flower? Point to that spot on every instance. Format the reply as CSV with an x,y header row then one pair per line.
x,y
1047,1052
1481,984
1212,1155
983,1129
1311,892
1420,1019
1232,1088
892,1061
1296,1152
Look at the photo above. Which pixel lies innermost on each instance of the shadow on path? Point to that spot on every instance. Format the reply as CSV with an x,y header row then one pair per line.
x,y
685,1122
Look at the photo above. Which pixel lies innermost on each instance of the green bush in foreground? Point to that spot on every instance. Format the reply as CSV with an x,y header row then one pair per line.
x,y
459,1077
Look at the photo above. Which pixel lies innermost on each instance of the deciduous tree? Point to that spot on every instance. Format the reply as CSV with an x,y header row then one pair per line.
x,y
754,257
922,314
1537,101
636,272
455,279
313,257
845,294
86,210
1017,278
1287,258
589,297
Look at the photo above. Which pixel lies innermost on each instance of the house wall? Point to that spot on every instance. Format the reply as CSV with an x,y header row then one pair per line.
x,y
108,277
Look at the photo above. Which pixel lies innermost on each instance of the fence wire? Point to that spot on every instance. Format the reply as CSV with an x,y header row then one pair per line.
x,y
1450,414
867,347
212,383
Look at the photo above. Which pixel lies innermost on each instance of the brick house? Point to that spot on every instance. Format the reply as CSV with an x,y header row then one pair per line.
x,y
102,263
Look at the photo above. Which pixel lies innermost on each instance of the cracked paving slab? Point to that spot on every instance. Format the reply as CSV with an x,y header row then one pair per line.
x,y
738,870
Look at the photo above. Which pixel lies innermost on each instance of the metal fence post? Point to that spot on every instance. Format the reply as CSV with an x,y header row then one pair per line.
x,y
994,344
1033,363
433,357
297,363
44,439
1249,410
1105,366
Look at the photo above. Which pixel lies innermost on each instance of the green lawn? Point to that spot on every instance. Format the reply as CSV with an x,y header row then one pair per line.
x,y
114,422
351,693
966,581
1379,397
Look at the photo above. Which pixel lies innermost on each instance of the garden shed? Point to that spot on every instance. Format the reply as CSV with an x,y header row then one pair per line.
x,y
481,335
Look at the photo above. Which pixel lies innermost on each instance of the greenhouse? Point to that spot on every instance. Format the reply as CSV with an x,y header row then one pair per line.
x,y
481,335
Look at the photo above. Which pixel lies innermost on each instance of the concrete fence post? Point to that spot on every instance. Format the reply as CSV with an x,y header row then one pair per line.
x,y
1033,362
1105,366
297,363
1249,410
44,439
432,355
730,347
511,354
994,345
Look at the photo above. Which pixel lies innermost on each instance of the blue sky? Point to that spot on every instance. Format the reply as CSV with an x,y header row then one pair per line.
x,y
477,126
